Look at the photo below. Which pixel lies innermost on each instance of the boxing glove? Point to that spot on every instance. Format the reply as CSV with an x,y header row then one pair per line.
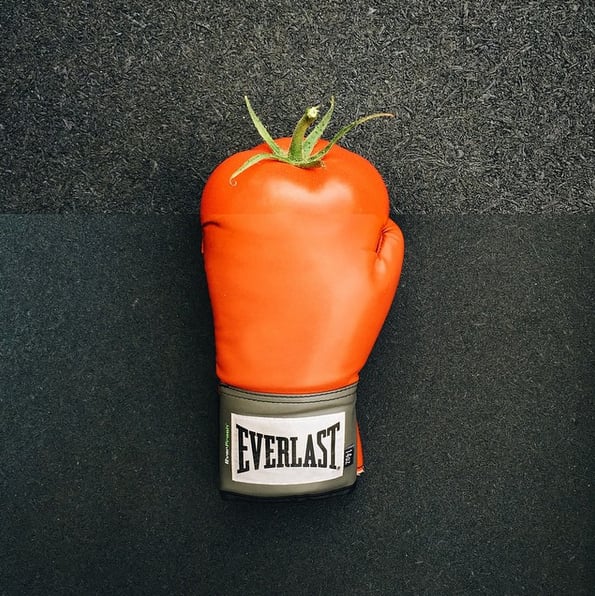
x,y
302,264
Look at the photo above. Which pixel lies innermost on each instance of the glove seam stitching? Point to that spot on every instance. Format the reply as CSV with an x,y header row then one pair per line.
x,y
286,400
288,395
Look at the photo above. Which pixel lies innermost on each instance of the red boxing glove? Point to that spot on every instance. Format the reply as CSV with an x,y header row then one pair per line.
x,y
302,264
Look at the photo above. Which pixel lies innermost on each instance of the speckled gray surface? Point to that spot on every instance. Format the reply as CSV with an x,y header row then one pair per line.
x,y
115,106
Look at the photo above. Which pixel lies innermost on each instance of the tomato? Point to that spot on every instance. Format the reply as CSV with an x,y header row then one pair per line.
x,y
344,182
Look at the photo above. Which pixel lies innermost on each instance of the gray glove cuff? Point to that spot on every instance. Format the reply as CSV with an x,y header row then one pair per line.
x,y
280,446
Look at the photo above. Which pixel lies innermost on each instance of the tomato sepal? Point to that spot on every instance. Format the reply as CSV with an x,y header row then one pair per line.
x,y
299,153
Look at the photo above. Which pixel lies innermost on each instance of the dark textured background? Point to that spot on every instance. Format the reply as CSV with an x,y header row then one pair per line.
x,y
476,411
476,405
127,106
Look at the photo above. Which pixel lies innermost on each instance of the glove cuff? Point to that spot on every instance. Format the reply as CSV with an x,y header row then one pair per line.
x,y
287,446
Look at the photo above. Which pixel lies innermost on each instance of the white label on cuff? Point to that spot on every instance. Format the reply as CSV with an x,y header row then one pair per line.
x,y
287,450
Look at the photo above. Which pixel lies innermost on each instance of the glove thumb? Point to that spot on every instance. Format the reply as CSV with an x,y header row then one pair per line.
x,y
389,254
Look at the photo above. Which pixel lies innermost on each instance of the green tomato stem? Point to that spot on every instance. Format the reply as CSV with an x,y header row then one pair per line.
x,y
296,149
300,149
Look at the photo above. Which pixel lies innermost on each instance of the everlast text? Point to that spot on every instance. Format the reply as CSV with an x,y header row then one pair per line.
x,y
257,450
272,450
